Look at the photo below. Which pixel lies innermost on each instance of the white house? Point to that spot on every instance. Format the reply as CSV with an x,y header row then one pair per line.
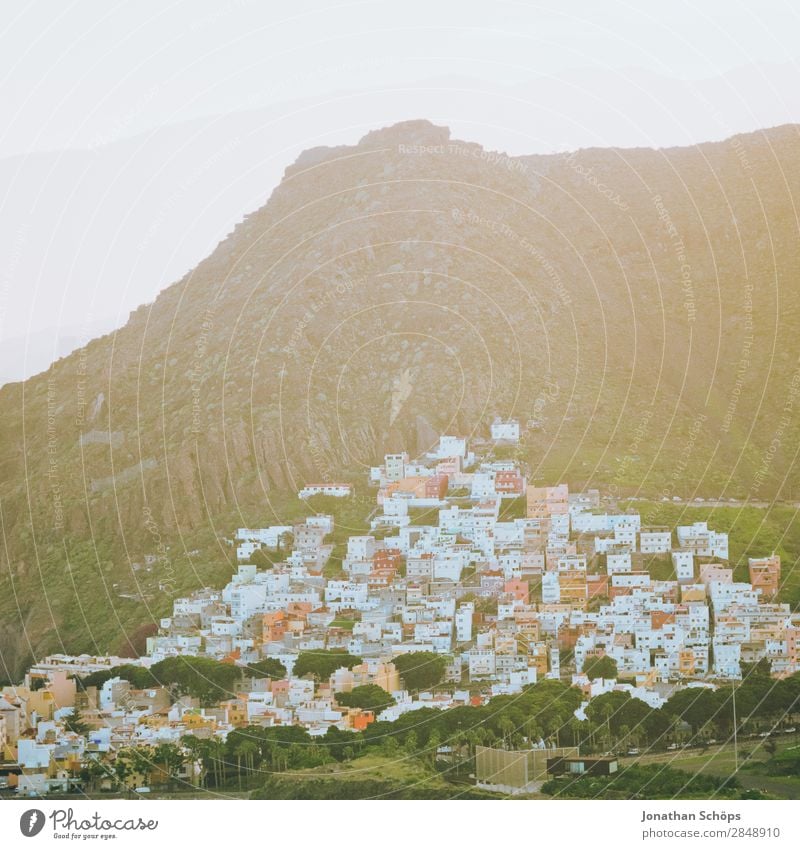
x,y
505,431
683,562
618,561
551,589
704,542
655,540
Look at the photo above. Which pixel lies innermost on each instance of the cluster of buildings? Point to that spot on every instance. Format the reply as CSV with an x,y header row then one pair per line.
x,y
465,559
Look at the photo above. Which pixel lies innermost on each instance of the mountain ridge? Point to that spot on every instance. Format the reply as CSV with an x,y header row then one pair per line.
x,y
639,309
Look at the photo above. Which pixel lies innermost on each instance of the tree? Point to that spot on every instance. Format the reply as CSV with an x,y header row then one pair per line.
x,y
194,746
606,712
322,664
695,705
249,750
367,697
132,761
342,745
170,758
138,676
93,771
201,677
600,667
657,726
214,756
421,670
266,668
75,723
653,781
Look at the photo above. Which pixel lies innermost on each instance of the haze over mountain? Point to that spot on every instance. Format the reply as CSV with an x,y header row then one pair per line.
x,y
638,307
96,230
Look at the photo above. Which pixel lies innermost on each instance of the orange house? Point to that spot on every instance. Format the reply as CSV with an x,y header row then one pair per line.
x,y
518,589
573,586
273,626
546,501
509,483
597,586
358,719
659,618
765,574
537,658
686,664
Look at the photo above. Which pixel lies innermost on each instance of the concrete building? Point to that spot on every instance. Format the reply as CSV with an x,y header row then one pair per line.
x,y
514,772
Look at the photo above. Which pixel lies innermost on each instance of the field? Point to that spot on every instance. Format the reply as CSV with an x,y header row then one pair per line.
x,y
720,760
371,776
752,532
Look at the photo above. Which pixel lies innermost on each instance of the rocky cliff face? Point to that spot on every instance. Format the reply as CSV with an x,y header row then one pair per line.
x,y
639,306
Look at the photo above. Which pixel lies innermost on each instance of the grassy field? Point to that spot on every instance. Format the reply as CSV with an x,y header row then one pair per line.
x,y
752,532
371,776
405,769
720,760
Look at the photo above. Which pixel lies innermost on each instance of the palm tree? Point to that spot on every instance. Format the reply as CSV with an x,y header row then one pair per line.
x,y
195,749
506,728
248,750
216,751
171,759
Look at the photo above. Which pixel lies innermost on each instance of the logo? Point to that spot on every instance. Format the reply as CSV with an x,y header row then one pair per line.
x,y
31,822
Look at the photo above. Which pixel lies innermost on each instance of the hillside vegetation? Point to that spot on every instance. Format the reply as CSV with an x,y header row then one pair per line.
x,y
640,306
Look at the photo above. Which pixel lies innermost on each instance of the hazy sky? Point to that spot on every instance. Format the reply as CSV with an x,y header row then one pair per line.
x,y
75,74
181,116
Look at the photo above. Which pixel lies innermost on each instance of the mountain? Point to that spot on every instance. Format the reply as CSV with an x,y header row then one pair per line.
x,y
639,308
120,209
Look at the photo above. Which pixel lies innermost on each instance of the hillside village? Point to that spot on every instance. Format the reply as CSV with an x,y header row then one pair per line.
x,y
472,584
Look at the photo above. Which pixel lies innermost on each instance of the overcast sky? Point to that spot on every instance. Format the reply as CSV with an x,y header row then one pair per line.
x,y
75,73
151,95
